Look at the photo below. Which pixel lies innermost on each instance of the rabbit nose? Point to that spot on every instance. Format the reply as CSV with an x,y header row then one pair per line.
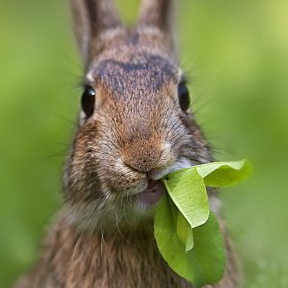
x,y
142,156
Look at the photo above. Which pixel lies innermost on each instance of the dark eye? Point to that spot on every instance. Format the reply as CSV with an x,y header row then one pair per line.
x,y
184,98
88,101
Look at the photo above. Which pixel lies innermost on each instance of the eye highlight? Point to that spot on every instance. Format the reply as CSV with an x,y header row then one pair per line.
x,y
88,101
184,97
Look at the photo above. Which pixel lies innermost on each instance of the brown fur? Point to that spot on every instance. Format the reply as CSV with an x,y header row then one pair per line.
x,y
114,259
102,237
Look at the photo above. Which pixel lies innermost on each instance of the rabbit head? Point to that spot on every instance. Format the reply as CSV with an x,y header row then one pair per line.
x,y
135,124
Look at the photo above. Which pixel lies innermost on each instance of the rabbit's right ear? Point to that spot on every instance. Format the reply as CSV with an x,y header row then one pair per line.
x,y
156,13
91,19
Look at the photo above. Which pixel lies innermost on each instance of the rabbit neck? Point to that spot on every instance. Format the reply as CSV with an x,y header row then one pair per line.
x,y
108,258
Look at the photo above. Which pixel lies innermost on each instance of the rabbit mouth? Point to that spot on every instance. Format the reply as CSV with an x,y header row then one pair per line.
x,y
156,189
153,193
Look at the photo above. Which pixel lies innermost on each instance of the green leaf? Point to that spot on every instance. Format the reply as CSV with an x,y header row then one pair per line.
x,y
209,252
224,174
184,232
189,239
205,263
188,192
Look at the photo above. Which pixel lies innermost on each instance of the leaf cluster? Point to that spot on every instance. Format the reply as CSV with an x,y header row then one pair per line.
x,y
186,231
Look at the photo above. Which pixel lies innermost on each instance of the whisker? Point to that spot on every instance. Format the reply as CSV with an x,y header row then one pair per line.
x,y
117,224
61,154
102,242
75,247
67,120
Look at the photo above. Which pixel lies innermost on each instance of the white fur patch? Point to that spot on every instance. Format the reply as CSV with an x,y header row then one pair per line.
x,y
180,164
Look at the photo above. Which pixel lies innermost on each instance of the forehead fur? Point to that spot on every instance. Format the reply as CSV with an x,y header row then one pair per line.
x,y
138,74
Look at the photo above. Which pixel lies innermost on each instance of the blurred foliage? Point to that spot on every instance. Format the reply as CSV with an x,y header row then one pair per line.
x,y
235,53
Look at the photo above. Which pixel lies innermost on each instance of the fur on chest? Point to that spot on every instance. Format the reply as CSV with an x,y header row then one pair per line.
x,y
111,259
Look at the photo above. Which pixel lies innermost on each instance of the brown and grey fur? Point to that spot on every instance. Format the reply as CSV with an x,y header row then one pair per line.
x,y
102,237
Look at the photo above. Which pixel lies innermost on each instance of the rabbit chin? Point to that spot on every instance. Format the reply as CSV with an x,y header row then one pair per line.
x,y
129,209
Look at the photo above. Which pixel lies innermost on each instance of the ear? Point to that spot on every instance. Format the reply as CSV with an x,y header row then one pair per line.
x,y
156,13
91,19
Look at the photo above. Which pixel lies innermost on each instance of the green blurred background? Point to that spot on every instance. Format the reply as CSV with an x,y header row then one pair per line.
x,y
236,53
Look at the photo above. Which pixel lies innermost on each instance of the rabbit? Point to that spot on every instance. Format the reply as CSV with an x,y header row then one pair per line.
x,y
135,127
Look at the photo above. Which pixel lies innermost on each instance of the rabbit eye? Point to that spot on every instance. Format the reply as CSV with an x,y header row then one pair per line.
x,y
184,98
88,101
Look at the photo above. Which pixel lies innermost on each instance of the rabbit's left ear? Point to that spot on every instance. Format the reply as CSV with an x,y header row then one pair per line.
x,y
91,19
